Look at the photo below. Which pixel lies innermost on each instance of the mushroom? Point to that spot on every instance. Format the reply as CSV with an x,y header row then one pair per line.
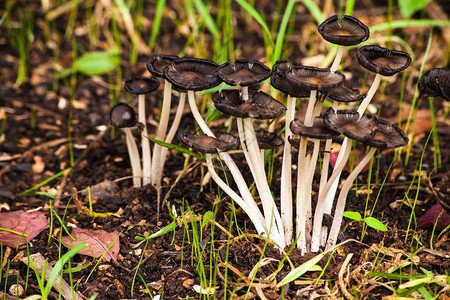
x,y
383,62
209,144
350,125
312,79
243,73
385,136
435,83
156,65
143,85
343,31
343,93
278,81
123,116
258,105
193,74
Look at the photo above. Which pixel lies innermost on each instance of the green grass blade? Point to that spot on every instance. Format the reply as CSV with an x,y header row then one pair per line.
x,y
60,263
156,22
43,182
306,266
209,21
252,12
282,31
409,23
14,232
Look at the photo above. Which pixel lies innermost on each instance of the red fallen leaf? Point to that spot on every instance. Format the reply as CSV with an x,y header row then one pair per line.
x,y
29,223
98,242
429,218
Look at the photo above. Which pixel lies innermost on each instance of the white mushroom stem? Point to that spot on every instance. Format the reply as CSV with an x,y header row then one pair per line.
x,y
254,214
337,59
161,133
145,143
135,161
286,175
346,146
340,204
322,206
170,135
271,213
303,205
237,176
318,215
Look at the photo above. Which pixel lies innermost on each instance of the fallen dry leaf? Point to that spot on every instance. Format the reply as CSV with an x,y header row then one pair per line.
x,y
29,223
98,242
429,218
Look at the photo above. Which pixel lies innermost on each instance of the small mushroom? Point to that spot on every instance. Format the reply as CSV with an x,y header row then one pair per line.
x,y
278,80
345,31
343,93
192,74
350,124
311,78
435,83
123,116
259,105
143,85
208,144
242,72
387,135
382,61
157,63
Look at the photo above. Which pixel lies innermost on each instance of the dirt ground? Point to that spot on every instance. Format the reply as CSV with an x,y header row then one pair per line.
x,y
34,146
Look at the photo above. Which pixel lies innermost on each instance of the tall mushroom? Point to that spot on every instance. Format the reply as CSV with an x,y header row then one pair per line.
x,y
384,136
350,125
123,116
311,79
383,62
156,65
343,31
259,105
142,86
224,142
278,81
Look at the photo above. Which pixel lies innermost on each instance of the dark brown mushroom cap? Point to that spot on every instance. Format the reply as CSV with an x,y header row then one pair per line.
x,y
311,78
192,74
242,72
435,83
157,63
268,140
317,131
278,80
343,93
346,31
382,60
350,125
207,144
387,135
259,105
141,85
122,115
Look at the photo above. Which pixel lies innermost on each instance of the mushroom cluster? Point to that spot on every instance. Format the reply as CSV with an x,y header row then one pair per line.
x,y
310,134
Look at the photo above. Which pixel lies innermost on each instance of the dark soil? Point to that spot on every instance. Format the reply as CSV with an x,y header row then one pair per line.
x,y
34,124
